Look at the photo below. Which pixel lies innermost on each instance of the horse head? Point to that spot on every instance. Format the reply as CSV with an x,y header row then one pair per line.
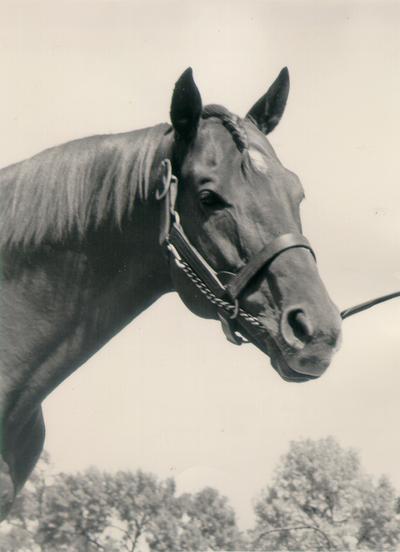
x,y
237,201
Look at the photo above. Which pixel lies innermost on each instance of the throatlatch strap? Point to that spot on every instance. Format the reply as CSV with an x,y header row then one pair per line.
x,y
167,191
189,253
266,255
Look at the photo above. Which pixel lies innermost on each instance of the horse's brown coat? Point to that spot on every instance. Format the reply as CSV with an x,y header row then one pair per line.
x,y
80,257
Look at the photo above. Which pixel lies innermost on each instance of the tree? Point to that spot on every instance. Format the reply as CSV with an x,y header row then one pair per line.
x,y
379,519
320,499
144,508
76,513
126,511
208,523
20,531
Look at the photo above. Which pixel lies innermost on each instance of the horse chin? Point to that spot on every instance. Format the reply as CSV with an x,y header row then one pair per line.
x,y
269,347
282,367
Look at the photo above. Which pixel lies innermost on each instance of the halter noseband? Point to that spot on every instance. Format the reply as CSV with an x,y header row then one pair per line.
x,y
221,288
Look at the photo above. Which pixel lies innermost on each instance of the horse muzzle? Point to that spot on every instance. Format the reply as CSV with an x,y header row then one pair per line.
x,y
300,347
292,365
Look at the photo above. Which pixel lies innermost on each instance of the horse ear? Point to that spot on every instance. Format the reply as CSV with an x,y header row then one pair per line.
x,y
267,112
186,106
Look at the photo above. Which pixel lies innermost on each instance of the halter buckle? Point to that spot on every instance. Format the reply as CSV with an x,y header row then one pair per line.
x,y
236,310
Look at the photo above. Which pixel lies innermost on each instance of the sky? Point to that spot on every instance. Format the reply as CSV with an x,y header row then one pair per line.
x,y
169,394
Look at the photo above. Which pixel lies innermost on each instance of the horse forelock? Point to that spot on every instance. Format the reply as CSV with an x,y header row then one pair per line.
x,y
231,122
70,187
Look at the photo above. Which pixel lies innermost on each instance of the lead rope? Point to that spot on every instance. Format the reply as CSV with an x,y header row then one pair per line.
x,y
368,304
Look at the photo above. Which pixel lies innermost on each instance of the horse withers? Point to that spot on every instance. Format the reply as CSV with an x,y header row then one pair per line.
x,y
94,231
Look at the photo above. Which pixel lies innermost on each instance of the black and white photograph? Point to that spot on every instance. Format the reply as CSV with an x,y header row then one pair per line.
x,y
199,275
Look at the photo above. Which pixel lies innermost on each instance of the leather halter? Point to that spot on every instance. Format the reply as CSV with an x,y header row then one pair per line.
x,y
225,286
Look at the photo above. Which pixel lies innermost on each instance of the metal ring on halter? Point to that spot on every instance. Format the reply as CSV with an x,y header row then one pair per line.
x,y
166,179
160,194
236,311
175,216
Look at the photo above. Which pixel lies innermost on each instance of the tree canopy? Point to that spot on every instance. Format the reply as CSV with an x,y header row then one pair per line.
x,y
112,512
320,499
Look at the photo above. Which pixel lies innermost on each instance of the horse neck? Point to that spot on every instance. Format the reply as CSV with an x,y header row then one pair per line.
x,y
84,293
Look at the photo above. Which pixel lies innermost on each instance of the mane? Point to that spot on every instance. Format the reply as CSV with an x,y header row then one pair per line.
x,y
72,186
69,188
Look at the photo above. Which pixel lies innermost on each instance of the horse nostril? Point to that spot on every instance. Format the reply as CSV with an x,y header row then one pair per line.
x,y
297,329
301,325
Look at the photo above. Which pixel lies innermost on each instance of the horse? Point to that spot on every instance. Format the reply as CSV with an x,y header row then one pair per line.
x,y
92,232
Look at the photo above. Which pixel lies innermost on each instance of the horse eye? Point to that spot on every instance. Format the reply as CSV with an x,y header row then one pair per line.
x,y
210,199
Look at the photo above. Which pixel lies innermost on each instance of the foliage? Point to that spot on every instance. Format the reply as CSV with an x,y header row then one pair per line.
x,y
128,511
321,500
208,523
